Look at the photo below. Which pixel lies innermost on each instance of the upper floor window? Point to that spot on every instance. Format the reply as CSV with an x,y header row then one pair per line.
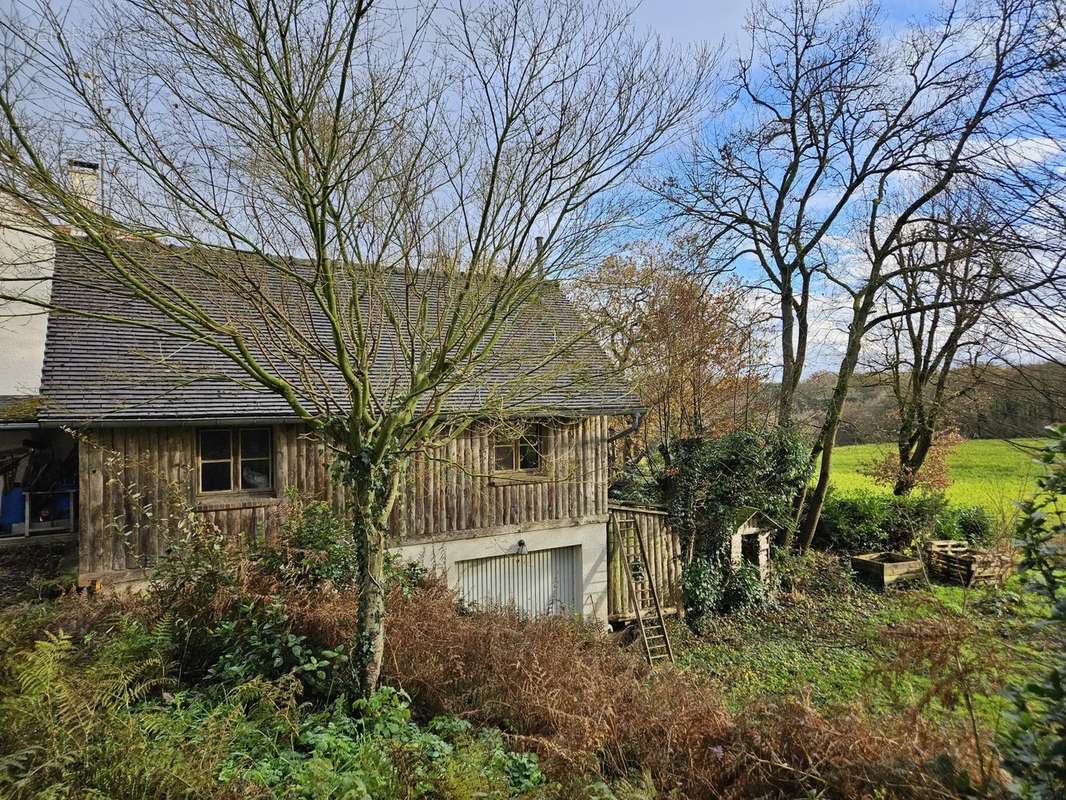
x,y
235,459
519,453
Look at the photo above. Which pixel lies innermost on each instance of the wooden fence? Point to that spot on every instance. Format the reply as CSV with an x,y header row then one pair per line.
x,y
664,561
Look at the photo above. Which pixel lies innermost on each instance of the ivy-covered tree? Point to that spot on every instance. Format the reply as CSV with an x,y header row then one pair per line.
x,y
707,481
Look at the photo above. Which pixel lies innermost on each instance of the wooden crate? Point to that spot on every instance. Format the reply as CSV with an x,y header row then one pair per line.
x,y
957,562
884,569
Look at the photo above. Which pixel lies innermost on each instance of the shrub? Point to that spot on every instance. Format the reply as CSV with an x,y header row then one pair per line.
x,y
243,610
258,640
701,588
586,706
871,521
744,589
315,546
973,524
708,589
855,523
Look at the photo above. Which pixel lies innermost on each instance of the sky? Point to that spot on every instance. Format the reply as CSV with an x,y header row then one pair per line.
x,y
679,21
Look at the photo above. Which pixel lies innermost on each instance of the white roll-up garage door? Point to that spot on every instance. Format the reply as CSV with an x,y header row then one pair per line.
x,y
540,582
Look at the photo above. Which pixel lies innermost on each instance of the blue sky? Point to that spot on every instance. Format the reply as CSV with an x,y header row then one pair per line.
x,y
695,21
680,21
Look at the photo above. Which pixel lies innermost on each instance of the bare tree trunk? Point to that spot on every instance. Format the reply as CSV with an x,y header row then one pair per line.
x,y
790,369
834,413
912,455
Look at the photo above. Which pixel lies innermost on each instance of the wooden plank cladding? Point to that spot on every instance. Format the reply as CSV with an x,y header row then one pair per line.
x,y
136,482
664,559
452,488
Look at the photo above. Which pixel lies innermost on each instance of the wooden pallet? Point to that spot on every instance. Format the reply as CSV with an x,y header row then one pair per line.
x,y
957,562
651,624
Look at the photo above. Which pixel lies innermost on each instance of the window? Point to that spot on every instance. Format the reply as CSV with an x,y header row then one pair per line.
x,y
235,459
520,453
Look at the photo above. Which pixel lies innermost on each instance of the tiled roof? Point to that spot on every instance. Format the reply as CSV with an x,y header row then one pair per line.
x,y
101,371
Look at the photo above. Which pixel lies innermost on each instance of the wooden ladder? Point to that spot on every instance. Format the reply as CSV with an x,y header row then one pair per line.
x,y
642,589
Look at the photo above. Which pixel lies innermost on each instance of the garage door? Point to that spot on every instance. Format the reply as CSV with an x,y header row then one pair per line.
x,y
540,582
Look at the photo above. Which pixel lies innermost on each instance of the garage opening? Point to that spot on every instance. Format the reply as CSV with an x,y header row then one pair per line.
x,y
537,583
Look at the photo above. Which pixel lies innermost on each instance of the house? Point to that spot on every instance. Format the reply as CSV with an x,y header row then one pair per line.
x,y
509,513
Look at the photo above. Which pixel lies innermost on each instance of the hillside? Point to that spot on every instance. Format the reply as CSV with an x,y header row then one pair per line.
x,y
1007,402
989,472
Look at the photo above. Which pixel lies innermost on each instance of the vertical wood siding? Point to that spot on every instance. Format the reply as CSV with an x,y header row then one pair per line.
x,y
664,557
136,482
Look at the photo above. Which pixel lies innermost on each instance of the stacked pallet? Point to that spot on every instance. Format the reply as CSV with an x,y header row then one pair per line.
x,y
957,562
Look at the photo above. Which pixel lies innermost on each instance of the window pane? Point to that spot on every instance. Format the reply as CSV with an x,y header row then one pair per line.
x,y
255,473
214,444
529,453
255,443
505,456
215,477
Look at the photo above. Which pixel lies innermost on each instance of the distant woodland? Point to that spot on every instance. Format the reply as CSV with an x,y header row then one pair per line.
x,y
993,402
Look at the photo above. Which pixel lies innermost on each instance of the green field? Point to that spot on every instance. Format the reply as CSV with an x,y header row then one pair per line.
x,y
989,472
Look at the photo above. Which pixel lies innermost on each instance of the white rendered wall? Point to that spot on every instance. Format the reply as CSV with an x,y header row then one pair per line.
x,y
442,557
23,254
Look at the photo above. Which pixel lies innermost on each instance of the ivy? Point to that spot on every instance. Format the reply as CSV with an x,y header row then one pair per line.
x,y
1034,748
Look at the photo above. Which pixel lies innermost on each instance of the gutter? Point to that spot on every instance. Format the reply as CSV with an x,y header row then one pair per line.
x,y
19,426
181,422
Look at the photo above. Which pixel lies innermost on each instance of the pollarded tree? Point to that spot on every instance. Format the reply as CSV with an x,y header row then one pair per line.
x,y
404,161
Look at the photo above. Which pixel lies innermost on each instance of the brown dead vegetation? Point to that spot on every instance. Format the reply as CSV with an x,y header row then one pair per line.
x,y
585,705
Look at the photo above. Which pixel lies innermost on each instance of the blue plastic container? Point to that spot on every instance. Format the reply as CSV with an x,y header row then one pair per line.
x,y
12,508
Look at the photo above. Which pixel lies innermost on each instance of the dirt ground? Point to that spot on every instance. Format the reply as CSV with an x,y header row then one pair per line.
x,y
36,571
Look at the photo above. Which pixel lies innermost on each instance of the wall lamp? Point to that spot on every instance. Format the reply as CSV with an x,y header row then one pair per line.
x,y
522,549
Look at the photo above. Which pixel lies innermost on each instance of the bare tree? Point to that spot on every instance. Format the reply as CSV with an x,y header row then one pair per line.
x,y
987,61
948,274
838,141
406,161
810,122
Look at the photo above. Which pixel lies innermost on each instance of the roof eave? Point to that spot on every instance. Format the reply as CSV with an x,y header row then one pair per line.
x,y
190,421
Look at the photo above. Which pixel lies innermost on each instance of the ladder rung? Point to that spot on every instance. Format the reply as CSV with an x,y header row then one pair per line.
x,y
649,619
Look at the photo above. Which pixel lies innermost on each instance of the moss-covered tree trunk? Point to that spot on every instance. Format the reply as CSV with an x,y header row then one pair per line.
x,y
374,485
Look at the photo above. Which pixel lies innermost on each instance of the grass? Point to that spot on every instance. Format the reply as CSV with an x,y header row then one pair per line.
x,y
866,648
987,472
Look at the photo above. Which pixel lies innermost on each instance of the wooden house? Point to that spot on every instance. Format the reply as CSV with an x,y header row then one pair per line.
x,y
513,513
